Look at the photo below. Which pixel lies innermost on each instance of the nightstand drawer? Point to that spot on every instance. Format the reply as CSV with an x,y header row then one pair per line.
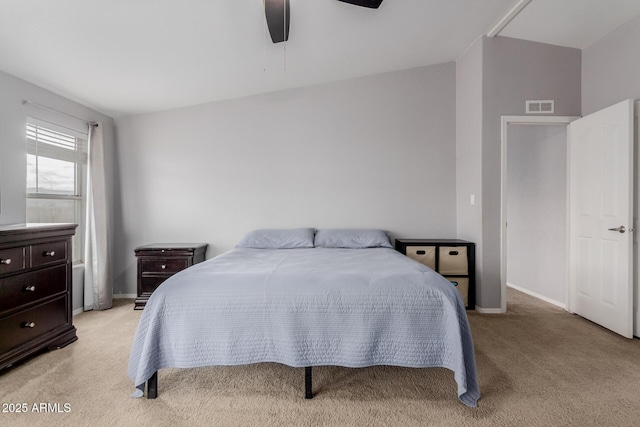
x,y
159,261
423,254
149,284
28,325
16,291
47,253
12,260
453,260
462,285
164,265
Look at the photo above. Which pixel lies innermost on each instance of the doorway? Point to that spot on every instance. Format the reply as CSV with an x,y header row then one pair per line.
x,y
537,211
533,209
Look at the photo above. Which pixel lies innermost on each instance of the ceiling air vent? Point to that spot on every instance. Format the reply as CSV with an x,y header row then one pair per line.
x,y
540,106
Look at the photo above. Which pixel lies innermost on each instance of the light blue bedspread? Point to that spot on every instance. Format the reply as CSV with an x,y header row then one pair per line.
x,y
306,307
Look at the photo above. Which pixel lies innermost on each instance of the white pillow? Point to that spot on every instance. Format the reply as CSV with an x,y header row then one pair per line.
x,y
278,239
352,238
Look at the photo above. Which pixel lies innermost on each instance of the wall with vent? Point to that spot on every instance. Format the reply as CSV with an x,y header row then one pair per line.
x,y
512,71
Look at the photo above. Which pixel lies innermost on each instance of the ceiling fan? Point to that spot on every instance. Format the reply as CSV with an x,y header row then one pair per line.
x,y
372,4
278,16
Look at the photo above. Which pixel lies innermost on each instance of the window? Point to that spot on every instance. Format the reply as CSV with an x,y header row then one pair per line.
x,y
56,164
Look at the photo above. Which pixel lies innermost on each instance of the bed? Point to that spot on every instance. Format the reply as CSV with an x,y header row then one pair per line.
x,y
306,298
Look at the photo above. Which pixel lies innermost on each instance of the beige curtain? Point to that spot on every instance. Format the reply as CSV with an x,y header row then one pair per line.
x,y
98,290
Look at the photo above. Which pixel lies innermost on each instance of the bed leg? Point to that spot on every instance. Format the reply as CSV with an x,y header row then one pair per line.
x,y
152,386
308,394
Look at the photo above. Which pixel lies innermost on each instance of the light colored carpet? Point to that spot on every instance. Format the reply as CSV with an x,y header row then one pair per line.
x,y
537,364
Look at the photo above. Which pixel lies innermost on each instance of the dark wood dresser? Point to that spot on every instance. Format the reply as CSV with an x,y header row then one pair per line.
x,y
455,259
35,289
158,262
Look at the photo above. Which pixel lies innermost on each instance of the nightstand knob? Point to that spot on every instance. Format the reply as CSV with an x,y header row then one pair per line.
x,y
31,288
5,261
50,253
163,266
29,325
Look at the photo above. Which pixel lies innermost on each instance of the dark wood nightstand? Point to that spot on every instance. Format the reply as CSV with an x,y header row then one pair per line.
x,y
158,262
453,258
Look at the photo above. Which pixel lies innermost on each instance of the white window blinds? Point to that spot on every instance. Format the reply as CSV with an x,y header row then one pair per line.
x,y
56,142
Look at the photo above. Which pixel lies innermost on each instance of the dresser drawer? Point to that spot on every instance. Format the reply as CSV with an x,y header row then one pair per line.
x,y
462,285
16,291
453,260
423,254
47,253
166,265
12,259
27,325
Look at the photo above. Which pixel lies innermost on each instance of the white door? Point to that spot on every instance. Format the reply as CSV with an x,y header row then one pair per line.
x,y
601,215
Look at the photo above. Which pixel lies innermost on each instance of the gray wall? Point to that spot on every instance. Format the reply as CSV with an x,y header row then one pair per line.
x,y
536,210
374,144
377,151
512,71
611,68
469,152
13,150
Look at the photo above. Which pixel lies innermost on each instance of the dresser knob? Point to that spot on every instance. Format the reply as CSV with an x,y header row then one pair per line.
x,y
163,266
31,288
50,253
5,261
29,325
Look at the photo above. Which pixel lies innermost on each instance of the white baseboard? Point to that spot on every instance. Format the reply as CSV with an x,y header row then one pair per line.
x,y
125,296
488,310
535,295
77,311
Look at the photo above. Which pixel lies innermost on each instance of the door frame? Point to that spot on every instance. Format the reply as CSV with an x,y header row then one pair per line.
x,y
523,120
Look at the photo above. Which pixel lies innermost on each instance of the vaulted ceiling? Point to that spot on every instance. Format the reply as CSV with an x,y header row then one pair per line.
x,y
125,57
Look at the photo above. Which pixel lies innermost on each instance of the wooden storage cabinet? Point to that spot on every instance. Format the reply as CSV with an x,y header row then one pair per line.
x,y
35,290
452,258
158,262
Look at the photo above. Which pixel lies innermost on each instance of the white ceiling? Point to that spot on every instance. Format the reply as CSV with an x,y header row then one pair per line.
x,y
125,57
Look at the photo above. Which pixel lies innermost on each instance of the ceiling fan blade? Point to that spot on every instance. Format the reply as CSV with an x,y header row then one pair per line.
x,y
372,4
278,16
